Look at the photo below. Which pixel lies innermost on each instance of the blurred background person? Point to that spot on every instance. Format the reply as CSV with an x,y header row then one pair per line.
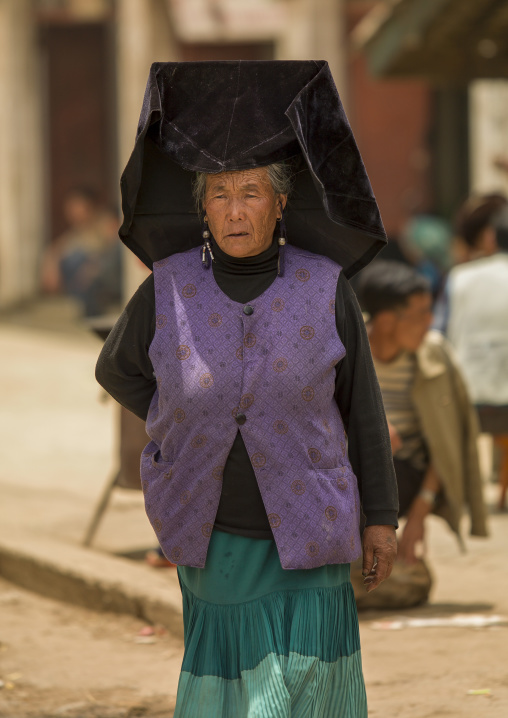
x,y
474,233
85,260
473,237
477,318
426,245
433,427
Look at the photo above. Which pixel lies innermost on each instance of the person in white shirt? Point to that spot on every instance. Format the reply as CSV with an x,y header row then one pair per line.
x,y
477,327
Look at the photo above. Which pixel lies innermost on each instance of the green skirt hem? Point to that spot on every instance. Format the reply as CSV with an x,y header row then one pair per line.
x,y
262,642
279,687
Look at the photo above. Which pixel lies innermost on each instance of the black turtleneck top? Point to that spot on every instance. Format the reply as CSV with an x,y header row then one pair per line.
x,y
124,369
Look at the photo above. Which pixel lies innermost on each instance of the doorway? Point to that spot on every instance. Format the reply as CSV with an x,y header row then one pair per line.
x,y
80,110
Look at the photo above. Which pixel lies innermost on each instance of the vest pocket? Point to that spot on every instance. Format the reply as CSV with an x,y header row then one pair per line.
x,y
339,495
156,475
154,467
341,487
342,476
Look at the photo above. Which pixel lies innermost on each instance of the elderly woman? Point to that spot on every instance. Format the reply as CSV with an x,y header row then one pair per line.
x,y
249,360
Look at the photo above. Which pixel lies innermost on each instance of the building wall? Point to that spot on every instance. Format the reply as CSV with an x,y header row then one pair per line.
x,y
489,136
391,120
80,108
144,35
21,212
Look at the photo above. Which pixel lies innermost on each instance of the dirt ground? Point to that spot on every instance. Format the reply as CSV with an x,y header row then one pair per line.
x,y
59,660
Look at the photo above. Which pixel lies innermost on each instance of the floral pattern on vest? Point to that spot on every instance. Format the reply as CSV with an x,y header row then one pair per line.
x,y
266,368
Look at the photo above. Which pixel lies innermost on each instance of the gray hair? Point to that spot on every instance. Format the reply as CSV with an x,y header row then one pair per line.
x,y
280,175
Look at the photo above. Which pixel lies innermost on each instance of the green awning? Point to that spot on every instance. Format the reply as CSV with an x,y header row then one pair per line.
x,y
440,40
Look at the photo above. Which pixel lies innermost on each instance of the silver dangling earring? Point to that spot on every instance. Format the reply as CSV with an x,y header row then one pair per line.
x,y
282,243
206,245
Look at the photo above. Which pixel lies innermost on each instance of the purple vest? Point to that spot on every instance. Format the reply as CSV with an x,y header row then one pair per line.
x,y
273,361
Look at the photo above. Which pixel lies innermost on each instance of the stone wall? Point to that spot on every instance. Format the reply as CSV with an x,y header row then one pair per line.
x,y
21,181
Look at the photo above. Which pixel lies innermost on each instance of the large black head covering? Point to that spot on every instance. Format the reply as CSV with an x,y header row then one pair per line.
x,y
223,116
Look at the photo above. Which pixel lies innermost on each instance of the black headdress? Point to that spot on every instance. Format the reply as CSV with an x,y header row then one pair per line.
x,y
222,116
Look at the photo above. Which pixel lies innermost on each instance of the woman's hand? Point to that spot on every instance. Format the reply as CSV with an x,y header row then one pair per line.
x,y
379,553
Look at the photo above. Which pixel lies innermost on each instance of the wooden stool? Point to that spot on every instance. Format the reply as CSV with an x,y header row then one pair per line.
x,y
132,441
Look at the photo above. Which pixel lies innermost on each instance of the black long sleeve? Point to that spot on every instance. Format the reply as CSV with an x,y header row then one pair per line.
x,y
360,403
124,369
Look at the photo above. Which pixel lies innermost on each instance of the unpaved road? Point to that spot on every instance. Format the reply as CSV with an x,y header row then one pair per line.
x,y
65,661
59,660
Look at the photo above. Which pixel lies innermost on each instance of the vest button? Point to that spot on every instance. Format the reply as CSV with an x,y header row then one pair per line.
x,y
248,310
240,418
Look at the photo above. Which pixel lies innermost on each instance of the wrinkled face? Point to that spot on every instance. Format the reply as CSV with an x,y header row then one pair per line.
x,y
412,322
242,209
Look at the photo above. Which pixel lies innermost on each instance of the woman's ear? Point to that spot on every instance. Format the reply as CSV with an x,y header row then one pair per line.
x,y
282,200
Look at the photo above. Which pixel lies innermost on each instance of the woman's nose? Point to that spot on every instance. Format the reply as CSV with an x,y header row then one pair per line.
x,y
235,210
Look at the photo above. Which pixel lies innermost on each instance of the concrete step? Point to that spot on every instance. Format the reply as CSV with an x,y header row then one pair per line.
x,y
91,579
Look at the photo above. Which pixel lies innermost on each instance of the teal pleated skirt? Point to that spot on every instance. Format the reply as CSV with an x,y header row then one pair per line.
x,y
261,642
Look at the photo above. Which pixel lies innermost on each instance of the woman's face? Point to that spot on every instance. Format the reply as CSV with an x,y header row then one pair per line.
x,y
242,209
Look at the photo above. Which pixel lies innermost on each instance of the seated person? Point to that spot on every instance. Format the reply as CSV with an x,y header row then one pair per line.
x,y
433,426
85,261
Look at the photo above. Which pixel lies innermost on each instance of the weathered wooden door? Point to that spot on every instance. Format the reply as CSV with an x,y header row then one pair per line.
x,y
80,114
